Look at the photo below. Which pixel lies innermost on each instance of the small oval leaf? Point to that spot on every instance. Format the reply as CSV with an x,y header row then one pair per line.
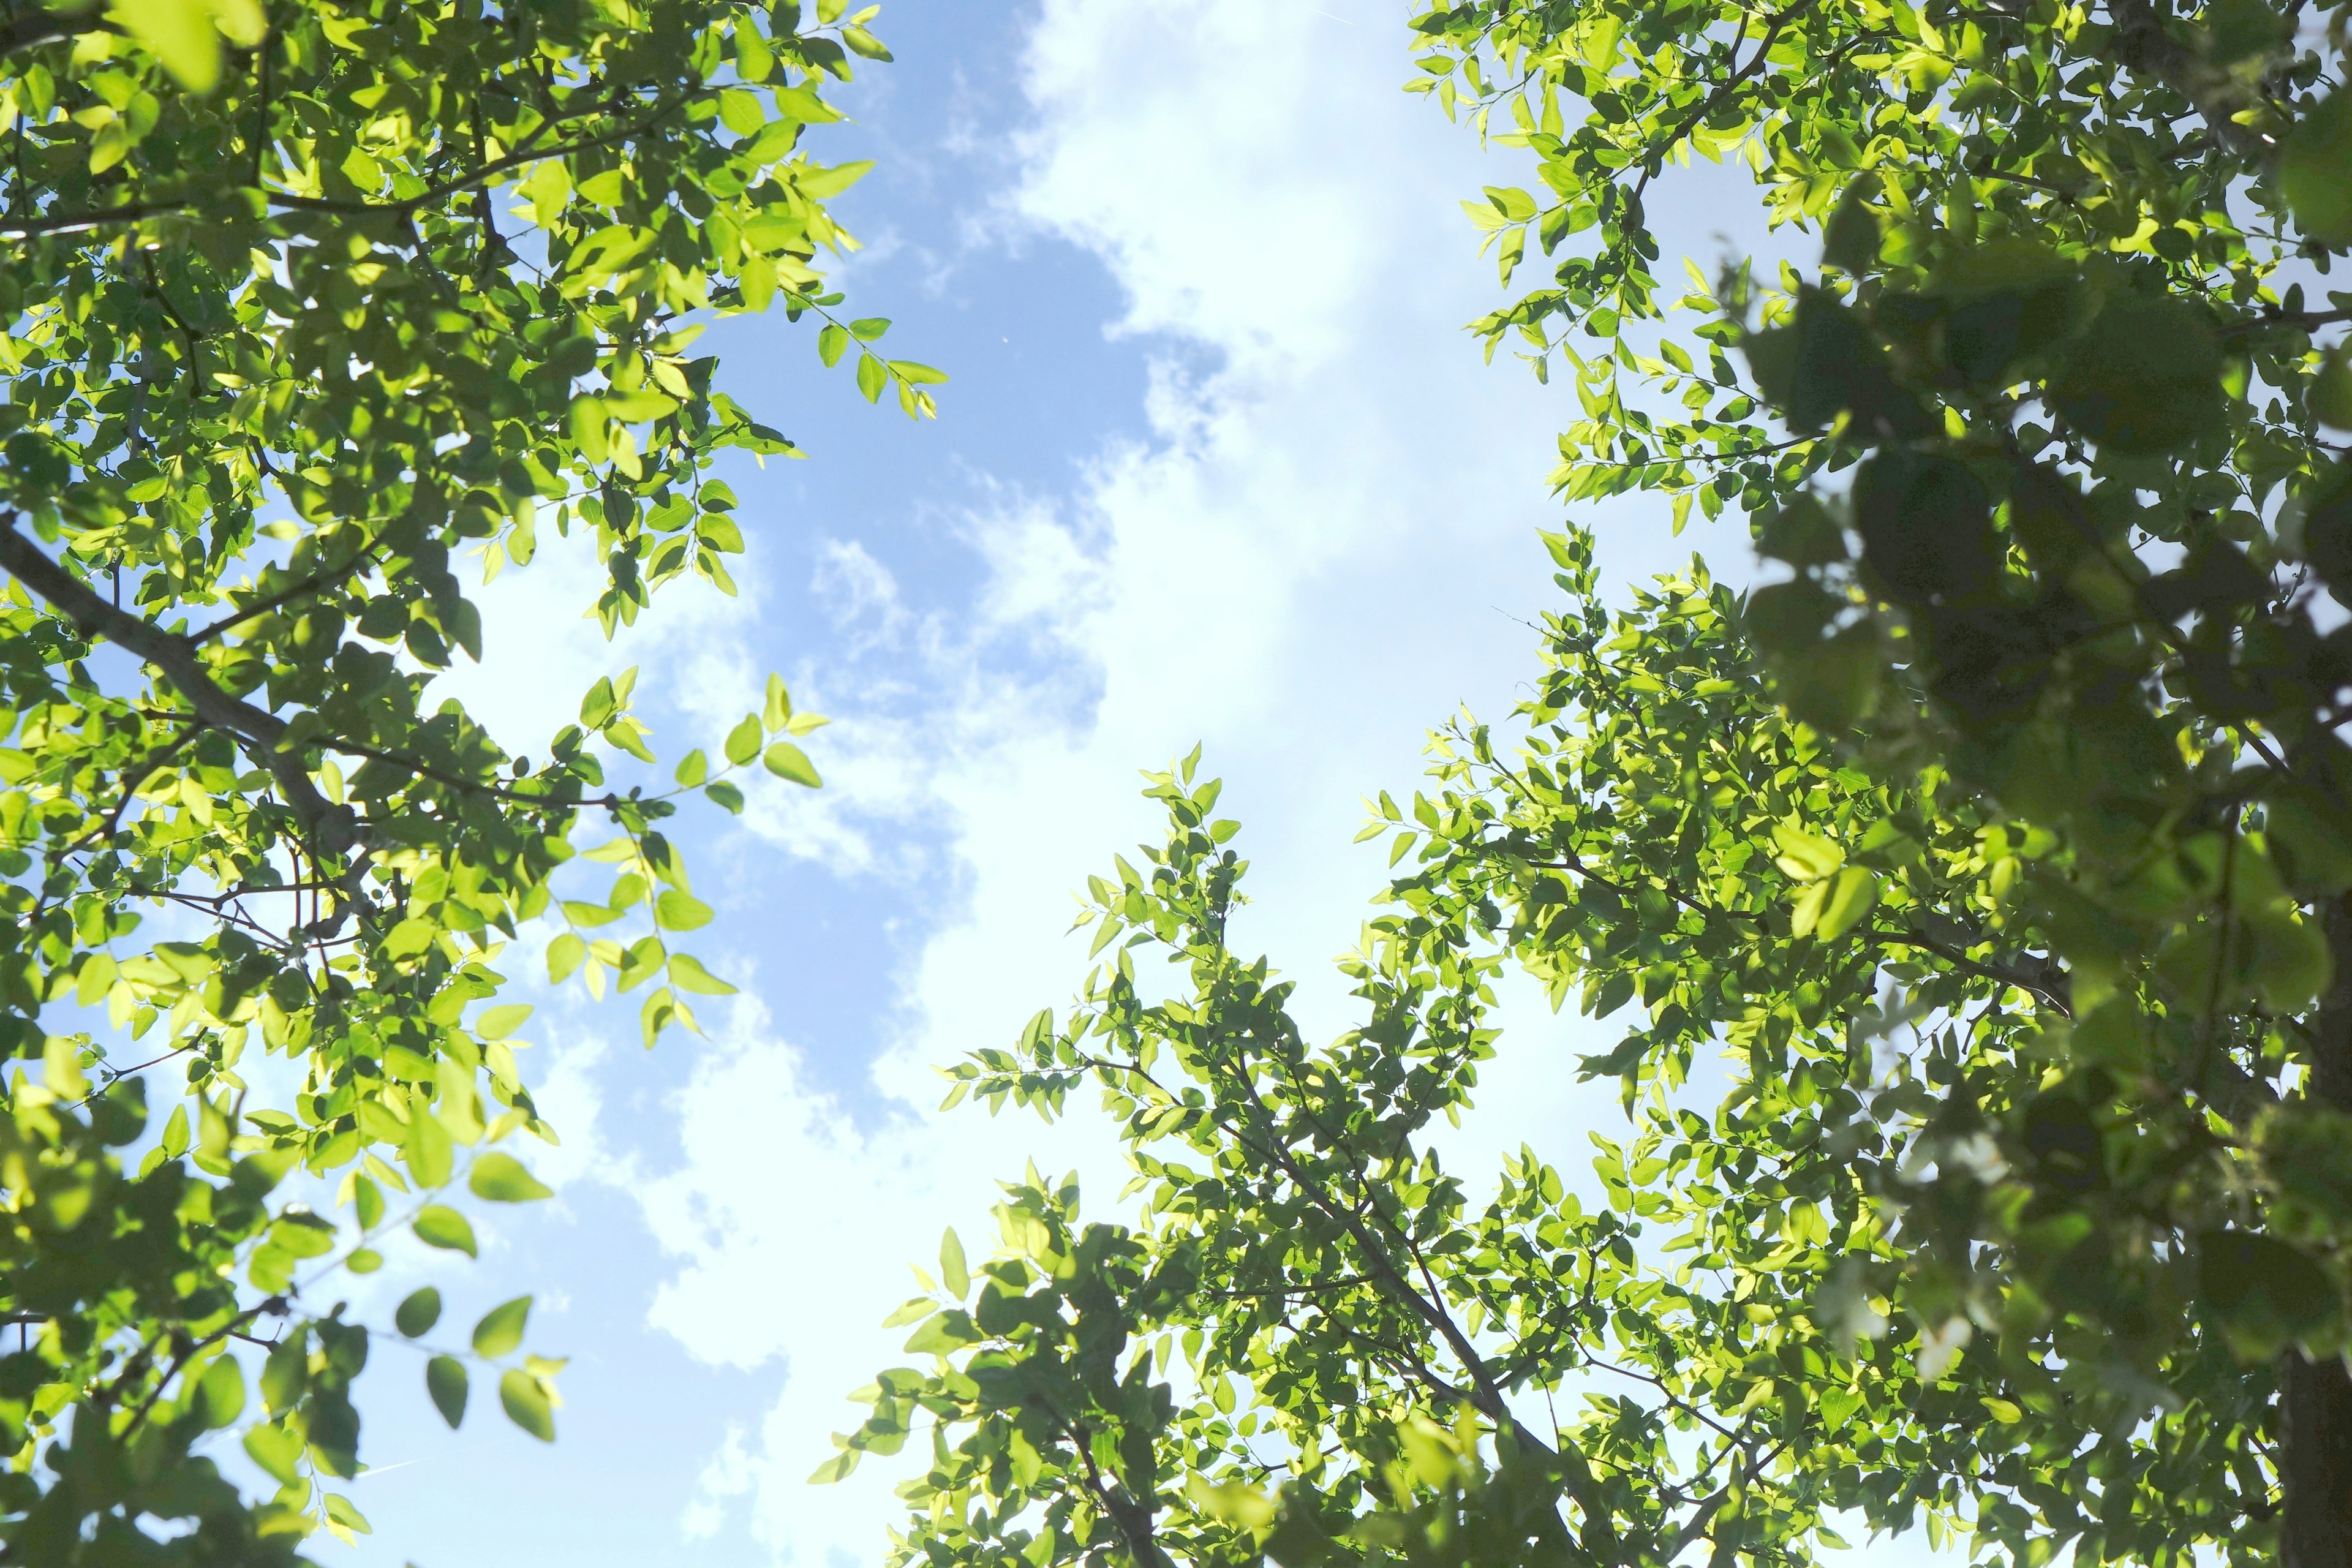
x,y
787,760
500,1329
417,1314
502,1179
445,1380
439,1225
527,1405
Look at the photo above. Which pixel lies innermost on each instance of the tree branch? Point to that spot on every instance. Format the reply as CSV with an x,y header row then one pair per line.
x,y
48,26
334,827
1486,1395
134,212
2143,44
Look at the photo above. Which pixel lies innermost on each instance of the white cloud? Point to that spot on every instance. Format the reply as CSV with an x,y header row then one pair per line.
x,y
543,647
1321,550
1323,546
862,595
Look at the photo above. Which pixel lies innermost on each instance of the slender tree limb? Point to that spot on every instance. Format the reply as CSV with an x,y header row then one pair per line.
x,y
39,28
1711,1505
361,558
2042,980
2144,46
334,827
135,212
1487,1396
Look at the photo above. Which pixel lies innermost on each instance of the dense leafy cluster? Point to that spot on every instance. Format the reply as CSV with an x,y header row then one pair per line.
x,y
1999,847
1766,1333
2064,532
307,309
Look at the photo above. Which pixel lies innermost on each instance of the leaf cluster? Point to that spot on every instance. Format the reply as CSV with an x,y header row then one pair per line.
x,y
310,313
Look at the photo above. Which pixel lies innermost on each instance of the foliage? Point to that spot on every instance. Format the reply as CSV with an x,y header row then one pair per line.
x,y
1754,1335
2001,847
416,278
2050,471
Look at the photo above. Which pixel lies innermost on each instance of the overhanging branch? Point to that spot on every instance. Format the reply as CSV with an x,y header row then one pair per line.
x,y
333,827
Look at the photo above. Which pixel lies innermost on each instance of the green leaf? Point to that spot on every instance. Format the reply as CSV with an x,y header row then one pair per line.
x,y
501,1178
497,1023
740,113
1805,913
2330,397
178,33
528,1405
1850,899
427,1149
276,1450
912,1312
2241,30
501,1328
591,425
831,343
687,975
825,183
1851,240
597,708
942,1333
787,760
660,1010
953,1271
758,282
564,955
2315,169
221,1393
2146,377
676,910
416,1315
95,978
444,1381
1805,856
410,937
2266,1293
743,741
873,375
2291,966
437,1225
340,1510
1232,1502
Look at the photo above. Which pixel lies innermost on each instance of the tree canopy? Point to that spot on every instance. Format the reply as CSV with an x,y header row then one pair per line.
x,y
2051,472
1999,844
307,308
1322,1344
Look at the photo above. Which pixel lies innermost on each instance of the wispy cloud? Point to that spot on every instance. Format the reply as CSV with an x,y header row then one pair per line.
x,y
1317,549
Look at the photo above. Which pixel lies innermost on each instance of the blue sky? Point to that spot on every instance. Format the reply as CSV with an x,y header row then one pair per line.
x,y
1217,465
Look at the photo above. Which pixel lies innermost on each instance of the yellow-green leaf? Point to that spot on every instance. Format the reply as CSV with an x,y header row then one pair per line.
x,y
502,1179
787,760
179,33
500,1329
436,1225
527,1405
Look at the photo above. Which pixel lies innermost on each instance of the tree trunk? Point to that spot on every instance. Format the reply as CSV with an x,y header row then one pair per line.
x,y
2315,1398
